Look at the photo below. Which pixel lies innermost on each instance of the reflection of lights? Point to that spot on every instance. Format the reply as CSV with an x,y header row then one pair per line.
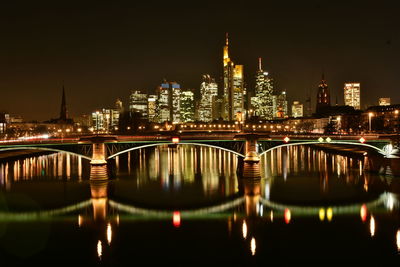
x,y
363,212
372,226
79,220
176,218
272,216
109,233
329,214
99,249
117,219
287,215
253,246
321,214
244,229
390,202
398,240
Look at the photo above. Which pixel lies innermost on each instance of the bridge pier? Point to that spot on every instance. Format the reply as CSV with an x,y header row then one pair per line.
x,y
249,167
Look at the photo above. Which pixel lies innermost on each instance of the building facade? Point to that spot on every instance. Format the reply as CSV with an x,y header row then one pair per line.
x,y
233,86
138,103
262,102
297,109
208,95
352,95
187,106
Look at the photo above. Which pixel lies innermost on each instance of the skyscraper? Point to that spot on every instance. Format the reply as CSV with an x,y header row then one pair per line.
x,y
208,95
187,106
280,106
323,96
168,104
352,95
152,108
233,86
264,90
138,103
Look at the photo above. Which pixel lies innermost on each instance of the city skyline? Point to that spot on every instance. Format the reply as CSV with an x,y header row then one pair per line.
x,y
110,61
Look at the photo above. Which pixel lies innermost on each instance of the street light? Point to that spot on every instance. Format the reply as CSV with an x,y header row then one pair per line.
x,y
369,119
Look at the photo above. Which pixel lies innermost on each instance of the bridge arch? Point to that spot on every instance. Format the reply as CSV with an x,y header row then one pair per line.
x,y
44,149
170,143
381,151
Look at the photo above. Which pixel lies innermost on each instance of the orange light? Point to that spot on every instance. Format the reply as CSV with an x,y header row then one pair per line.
x,y
287,215
286,139
362,140
176,219
363,212
175,140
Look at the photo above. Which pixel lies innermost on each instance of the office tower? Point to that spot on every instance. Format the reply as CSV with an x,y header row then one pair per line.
x,y
138,103
323,96
297,109
187,106
233,93
105,120
264,90
152,108
281,105
352,95
208,95
168,102
384,101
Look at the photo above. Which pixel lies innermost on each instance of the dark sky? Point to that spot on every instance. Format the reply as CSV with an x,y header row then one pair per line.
x,y
104,49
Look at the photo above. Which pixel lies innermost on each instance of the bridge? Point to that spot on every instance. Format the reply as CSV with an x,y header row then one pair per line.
x,y
248,147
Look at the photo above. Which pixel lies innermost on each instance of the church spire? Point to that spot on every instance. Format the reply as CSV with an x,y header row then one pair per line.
x,y
63,111
226,39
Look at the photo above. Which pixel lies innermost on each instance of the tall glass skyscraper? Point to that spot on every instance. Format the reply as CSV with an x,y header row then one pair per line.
x,y
233,86
264,90
187,106
208,94
138,103
168,104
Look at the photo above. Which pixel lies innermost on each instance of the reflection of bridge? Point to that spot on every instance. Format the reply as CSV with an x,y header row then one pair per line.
x,y
249,147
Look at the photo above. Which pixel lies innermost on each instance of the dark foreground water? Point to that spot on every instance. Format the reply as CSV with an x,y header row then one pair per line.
x,y
186,206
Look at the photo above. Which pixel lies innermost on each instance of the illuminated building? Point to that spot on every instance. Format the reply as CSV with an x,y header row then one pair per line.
x,y
279,105
233,86
119,106
384,101
168,102
208,94
262,102
152,108
105,120
323,96
187,106
138,103
352,95
297,109
3,123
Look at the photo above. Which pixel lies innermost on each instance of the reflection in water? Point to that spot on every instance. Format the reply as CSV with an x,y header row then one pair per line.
x,y
109,233
301,181
398,240
253,246
372,226
244,229
99,249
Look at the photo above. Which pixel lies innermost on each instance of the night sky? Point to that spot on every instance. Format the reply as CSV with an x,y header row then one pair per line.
x,y
104,49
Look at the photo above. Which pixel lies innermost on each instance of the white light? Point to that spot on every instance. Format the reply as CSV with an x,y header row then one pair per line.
x,y
109,233
244,229
253,246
